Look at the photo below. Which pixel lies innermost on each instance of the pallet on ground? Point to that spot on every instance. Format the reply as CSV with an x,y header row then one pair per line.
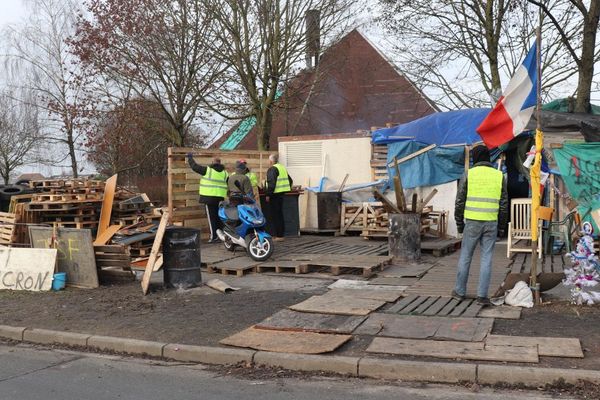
x,y
440,247
297,267
337,264
112,256
7,228
238,266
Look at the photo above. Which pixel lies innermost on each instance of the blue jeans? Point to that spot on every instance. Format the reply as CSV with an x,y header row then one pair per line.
x,y
484,233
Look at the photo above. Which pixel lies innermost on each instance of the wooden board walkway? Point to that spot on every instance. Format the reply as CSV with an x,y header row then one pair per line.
x,y
440,247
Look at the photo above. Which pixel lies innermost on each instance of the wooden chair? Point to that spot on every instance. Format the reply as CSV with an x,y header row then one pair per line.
x,y
519,227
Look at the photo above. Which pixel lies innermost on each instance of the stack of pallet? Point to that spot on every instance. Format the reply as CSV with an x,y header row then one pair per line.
x,y
71,203
130,209
113,264
7,228
371,219
137,239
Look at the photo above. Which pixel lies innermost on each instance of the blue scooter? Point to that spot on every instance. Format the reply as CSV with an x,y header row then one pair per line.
x,y
244,226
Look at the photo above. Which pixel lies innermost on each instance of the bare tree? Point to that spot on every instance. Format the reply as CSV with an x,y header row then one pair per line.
x,y
158,48
40,60
19,133
265,41
584,43
463,49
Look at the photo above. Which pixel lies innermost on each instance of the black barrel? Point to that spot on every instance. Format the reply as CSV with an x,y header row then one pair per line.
x,y
329,210
181,258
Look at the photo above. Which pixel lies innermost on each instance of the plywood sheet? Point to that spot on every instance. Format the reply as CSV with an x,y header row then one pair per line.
x,y
393,281
76,254
311,322
286,341
342,305
27,269
107,204
384,295
406,271
454,350
363,284
501,312
547,346
160,232
419,327
106,235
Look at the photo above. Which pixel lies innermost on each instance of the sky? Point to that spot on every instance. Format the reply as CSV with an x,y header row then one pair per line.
x,y
12,11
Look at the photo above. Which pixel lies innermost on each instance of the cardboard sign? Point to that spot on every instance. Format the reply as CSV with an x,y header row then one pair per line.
x,y
75,253
26,269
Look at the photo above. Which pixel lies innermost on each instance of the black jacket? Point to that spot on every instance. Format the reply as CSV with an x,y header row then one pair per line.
x,y
461,199
272,174
201,169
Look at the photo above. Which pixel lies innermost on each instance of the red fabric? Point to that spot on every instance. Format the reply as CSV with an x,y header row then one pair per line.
x,y
497,128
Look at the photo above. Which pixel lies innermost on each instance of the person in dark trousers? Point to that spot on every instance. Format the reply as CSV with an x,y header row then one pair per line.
x,y
481,211
279,182
213,190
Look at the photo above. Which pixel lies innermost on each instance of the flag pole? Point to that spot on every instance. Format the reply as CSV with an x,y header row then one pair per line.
x,y
536,168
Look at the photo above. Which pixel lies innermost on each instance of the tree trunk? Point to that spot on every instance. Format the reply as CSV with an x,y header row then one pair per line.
x,y
492,47
264,125
586,70
72,154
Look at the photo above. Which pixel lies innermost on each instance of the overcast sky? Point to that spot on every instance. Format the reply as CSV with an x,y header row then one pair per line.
x,y
11,11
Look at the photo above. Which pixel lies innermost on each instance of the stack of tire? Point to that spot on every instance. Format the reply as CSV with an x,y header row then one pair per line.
x,y
8,191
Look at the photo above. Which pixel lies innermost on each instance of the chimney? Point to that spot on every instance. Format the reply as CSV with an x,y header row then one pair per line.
x,y
313,37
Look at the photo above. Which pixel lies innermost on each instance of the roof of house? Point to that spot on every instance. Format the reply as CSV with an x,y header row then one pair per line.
x,y
354,88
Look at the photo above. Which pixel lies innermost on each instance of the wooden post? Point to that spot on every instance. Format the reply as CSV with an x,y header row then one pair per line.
x,y
398,189
164,221
467,158
414,203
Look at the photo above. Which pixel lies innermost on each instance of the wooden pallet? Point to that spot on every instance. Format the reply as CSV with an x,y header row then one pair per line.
x,y
238,266
297,267
7,228
440,247
65,197
435,306
379,154
66,183
338,264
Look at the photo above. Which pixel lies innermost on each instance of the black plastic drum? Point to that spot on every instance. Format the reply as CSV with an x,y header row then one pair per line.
x,y
181,258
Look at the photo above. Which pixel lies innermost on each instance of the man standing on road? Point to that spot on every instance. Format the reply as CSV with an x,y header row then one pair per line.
x,y
481,211
213,190
278,183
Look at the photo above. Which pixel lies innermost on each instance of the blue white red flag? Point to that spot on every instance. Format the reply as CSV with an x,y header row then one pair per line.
x,y
514,109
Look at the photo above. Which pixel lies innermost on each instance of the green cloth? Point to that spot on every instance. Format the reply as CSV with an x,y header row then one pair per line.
x,y
579,165
562,105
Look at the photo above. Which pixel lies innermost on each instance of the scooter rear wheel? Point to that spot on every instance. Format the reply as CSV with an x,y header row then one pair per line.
x,y
229,245
259,251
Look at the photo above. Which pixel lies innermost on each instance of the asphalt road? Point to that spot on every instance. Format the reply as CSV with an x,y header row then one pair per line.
x,y
30,373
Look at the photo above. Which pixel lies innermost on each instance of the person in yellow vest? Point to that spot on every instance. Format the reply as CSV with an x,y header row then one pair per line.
x,y
278,183
213,190
481,212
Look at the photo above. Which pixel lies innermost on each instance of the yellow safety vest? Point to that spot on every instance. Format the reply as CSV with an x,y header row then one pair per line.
x,y
253,179
484,190
283,182
213,183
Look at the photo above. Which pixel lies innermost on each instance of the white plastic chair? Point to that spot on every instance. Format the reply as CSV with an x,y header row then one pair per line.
x,y
519,227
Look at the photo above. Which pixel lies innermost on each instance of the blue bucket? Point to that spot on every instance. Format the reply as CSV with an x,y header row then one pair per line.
x,y
59,281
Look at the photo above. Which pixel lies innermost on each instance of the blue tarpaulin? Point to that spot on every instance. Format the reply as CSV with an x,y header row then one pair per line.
x,y
443,128
436,166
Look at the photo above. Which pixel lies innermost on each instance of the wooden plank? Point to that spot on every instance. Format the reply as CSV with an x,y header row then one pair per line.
x,y
75,253
164,221
502,312
461,307
286,341
106,235
448,307
402,303
383,295
547,346
437,306
107,204
27,269
413,155
426,304
341,305
453,350
412,306
472,310
290,320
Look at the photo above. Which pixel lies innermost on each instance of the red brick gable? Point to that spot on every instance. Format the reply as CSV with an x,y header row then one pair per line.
x,y
356,88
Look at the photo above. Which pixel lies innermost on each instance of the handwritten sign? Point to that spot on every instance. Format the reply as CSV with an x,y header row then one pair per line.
x,y
75,253
579,165
26,269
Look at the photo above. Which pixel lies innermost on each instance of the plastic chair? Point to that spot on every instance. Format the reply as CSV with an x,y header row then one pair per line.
x,y
519,227
562,230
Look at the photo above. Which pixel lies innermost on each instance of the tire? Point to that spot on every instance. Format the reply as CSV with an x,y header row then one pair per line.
x,y
256,251
229,245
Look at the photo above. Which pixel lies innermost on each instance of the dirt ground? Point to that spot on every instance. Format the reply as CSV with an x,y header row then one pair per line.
x,y
199,316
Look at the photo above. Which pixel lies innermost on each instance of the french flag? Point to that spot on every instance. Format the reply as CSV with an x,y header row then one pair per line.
x,y
514,109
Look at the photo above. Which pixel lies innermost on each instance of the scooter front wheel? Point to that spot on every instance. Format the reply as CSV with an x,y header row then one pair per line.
x,y
259,251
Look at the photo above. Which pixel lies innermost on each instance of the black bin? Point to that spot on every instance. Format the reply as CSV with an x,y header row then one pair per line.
x,y
181,258
329,210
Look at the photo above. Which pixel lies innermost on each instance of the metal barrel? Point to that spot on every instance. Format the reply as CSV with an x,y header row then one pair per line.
x,y
181,258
